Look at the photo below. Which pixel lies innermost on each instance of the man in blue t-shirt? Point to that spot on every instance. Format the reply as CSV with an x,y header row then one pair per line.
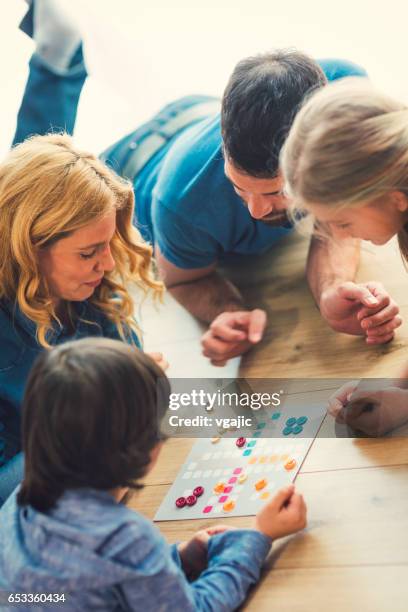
x,y
208,191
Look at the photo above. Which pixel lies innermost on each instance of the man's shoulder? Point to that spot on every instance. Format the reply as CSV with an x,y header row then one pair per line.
x,y
193,165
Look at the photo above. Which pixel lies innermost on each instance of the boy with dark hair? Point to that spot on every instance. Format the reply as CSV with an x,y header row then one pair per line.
x,y
91,429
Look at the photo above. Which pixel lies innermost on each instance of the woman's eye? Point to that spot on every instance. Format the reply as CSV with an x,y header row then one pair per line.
x,y
87,255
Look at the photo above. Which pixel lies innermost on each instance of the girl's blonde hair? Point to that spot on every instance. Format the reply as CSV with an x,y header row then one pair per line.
x,y
49,189
347,146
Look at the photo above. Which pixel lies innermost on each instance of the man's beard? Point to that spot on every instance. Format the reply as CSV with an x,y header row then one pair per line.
x,y
277,220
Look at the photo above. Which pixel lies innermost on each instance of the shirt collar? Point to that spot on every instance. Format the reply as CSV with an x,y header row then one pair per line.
x,y
30,327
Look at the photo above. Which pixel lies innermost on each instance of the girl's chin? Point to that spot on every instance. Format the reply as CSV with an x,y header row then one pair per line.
x,y
380,241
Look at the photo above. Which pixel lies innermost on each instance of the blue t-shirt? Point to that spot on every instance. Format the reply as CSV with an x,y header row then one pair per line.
x,y
191,209
186,204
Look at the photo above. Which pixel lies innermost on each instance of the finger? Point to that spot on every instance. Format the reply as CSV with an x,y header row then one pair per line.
x,y
283,496
296,504
379,291
356,408
224,327
374,340
334,406
156,356
219,364
242,348
367,421
219,529
382,316
257,323
214,348
358,293
386,328
163,364
340,396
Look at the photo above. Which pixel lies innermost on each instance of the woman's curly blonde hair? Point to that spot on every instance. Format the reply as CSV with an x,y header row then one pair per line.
x,y
49,189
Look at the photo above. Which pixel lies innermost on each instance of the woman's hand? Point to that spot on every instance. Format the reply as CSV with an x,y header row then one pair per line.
x,y
374,412
159,359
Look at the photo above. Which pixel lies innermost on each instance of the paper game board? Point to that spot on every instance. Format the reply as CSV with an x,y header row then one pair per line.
x,y
237,479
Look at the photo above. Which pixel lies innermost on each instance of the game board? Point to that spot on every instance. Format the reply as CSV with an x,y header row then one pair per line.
x,y
234,476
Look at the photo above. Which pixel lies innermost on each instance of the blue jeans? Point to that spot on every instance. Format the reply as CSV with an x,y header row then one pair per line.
x,y
50,100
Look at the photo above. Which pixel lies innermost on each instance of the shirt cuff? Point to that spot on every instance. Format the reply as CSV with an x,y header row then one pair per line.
x,y
175,554
250,545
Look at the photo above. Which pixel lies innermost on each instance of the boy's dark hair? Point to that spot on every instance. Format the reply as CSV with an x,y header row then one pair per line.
x,y
259,105
91,416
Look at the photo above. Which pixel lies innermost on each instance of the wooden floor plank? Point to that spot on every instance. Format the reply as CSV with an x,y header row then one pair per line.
x,y
356,517
354,553
340,589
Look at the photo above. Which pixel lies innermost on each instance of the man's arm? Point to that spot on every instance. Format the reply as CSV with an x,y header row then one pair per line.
x,y
348,307
330,263
202,291
213,299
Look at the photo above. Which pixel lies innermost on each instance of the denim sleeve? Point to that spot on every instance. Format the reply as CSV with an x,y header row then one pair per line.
x,y
175,554
111,331
180,241
11,474
234,563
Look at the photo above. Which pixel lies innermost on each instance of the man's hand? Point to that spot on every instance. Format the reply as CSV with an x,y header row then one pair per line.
x,y
232,334
193,553
361,309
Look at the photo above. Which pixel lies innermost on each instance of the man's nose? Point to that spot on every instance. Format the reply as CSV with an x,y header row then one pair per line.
x,y
258,208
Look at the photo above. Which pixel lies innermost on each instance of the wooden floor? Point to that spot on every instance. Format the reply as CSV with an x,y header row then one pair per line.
x,y
354,553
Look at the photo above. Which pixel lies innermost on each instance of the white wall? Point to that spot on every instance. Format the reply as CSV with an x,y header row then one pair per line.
x,y
143,54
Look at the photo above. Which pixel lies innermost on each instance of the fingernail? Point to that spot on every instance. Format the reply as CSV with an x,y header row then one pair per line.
x,y
372,300
255,337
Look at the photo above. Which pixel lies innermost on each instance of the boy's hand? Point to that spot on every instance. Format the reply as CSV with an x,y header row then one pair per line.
x,y
283,515
193,553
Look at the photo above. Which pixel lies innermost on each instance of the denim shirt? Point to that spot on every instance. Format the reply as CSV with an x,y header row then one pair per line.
x,y
18,350
104,556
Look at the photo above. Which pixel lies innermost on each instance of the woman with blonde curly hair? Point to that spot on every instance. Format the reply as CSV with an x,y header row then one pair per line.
x,y
68,252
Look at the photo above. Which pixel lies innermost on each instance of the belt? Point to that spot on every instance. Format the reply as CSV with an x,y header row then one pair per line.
x,y
141,152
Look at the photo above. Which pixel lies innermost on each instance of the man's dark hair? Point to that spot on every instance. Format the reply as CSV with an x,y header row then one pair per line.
x,y
91,416
259,105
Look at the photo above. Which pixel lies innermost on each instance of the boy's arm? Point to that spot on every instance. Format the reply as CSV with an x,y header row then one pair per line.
x,y
234,563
